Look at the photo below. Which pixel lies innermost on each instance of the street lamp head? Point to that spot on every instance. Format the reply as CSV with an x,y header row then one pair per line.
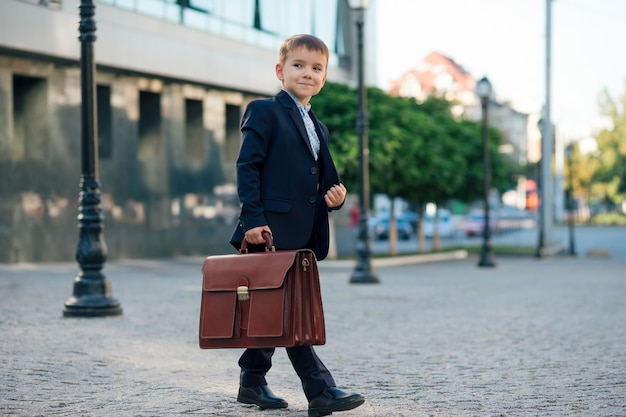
x,y
358,4
483,88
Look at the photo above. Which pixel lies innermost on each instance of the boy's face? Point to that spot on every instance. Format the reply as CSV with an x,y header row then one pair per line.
x,y
303,74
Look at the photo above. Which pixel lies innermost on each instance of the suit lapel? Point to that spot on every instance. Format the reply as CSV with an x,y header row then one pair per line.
x,y
296,117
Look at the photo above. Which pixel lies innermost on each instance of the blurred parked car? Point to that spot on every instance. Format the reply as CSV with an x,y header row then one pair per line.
x,y
475,223
445,225
411,217
379,227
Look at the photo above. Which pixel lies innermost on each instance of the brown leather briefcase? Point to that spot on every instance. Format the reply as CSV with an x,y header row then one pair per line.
x,y
264,299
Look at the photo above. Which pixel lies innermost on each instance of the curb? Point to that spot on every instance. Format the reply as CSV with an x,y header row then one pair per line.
x,y
400,260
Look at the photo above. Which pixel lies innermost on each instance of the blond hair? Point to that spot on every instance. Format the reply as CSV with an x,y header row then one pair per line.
x,y
310,42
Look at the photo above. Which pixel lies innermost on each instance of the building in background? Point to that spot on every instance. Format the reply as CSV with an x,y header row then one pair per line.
x,y
173,77
440,76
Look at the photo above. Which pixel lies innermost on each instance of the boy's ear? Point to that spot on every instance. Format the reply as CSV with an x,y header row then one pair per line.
x,y
279,72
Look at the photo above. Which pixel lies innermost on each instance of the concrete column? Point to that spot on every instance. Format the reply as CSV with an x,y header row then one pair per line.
x,y
6,108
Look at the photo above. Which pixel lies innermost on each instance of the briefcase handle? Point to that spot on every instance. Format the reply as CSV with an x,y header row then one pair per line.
x,y
269,245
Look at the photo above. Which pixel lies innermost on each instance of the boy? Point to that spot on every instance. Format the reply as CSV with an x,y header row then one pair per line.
x,y
287,183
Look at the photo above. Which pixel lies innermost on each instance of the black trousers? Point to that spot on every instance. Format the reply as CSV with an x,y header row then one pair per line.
x,y
255,363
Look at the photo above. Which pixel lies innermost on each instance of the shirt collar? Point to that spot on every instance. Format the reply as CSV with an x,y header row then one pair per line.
x,y
306,107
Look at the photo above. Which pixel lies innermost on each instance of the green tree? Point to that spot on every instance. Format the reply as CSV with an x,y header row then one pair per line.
x,y
336,107
439,162
610,174
391,122
582,171
416,151
395,145
452,160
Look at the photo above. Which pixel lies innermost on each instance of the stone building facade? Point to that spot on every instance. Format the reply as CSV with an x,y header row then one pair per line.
x,y
170,94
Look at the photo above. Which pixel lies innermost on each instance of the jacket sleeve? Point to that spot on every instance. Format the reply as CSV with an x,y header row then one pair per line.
x,y
256,129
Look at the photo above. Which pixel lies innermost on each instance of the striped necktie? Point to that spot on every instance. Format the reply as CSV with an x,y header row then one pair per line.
x,y
310,130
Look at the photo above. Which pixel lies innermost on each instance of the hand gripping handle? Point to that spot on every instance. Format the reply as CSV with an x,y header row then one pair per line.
x,y
269,244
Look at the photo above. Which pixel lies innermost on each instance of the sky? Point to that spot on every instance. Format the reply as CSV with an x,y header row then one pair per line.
x,y
505,40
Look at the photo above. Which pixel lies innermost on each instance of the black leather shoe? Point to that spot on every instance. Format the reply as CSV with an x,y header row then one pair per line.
x,y
261,396
333,399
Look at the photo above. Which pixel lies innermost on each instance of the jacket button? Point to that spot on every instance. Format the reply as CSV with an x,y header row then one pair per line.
x,y
314,170
312,200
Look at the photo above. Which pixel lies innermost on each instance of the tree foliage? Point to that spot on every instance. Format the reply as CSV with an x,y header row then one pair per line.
x,y
416,151
599,177
611,157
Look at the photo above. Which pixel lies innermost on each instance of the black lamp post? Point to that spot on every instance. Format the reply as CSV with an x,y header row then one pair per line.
x,y
92,291
363,272
483,91
570,199
541,250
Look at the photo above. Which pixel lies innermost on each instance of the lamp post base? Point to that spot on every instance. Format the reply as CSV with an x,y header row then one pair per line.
x,y
486,258
92,307
572,246
363,272
364,277
92,298
541,250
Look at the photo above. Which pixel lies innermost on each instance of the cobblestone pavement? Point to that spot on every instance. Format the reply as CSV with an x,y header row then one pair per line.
x,y
526,338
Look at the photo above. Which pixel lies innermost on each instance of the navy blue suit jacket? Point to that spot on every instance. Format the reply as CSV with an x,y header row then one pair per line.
x,y
279,182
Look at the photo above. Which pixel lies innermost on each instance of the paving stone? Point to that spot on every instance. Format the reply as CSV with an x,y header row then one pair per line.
x,y
526,338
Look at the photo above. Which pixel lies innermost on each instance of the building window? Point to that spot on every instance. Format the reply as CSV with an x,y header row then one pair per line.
x,y
105,137
257,16
264,23
150,134
194,130
30,118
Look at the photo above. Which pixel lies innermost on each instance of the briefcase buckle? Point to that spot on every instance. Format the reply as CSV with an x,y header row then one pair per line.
x,y
242,293
305,264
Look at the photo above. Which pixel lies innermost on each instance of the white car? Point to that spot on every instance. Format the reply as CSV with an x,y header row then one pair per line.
x,y
379,227
475,223
445,225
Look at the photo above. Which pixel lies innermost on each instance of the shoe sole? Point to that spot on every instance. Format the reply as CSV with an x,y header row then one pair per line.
x,y
320,412
263,406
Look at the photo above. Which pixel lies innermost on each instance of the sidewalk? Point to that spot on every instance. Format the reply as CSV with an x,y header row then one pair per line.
x,y
608,241
526,338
